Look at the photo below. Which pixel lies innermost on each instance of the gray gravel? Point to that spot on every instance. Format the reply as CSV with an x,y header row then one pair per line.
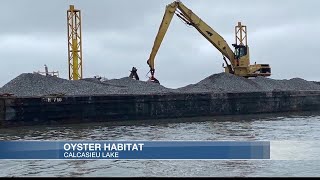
x,y
139,87
28,84
224,82
95,80
293,84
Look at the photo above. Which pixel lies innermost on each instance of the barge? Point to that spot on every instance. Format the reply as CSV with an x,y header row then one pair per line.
x,y
59,109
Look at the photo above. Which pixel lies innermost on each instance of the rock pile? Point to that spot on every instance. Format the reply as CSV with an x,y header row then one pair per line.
x,y
224,82
139,87
28,84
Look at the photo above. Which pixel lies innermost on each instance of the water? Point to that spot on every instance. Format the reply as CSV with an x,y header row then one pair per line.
x,y
295,147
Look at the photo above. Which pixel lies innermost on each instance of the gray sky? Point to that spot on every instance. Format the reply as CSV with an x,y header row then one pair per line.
x,y
119,34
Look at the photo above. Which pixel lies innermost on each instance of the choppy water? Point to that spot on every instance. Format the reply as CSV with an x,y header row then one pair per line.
x,y
295,144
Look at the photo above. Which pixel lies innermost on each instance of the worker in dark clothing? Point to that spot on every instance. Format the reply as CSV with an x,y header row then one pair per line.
x,y
46,70
134,74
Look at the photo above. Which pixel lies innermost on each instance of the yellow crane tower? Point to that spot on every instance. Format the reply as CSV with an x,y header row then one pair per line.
x,y
74,43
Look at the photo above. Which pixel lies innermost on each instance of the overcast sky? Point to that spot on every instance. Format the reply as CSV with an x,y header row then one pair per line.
x,y
119,34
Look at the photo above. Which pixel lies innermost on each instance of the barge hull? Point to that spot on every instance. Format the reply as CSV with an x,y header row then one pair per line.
x,y
15,111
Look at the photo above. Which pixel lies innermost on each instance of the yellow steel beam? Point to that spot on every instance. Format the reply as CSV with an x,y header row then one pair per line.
x,y
74,43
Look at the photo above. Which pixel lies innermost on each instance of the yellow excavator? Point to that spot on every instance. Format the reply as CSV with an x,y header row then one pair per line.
x,y
237,61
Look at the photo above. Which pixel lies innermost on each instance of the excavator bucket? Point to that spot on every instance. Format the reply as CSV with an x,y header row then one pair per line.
x,y
154,80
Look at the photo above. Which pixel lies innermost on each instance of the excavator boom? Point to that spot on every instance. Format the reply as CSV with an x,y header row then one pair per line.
x,y
170,10
192,19
237,63
212,36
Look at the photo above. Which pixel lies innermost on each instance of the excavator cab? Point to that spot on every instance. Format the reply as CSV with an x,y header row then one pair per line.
x,y
240,51
239,54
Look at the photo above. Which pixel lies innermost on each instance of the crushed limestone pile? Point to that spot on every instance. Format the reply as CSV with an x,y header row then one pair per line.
x,y
29,84
224,82
139,87
32,84
294,84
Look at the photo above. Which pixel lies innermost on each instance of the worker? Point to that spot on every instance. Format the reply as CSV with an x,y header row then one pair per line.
x,y
134,74
46,70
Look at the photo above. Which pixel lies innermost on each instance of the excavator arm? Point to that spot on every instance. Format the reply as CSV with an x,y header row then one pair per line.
x,y
192,19
170,10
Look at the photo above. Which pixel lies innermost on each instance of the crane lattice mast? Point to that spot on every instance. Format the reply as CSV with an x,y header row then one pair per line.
x,y
74,43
